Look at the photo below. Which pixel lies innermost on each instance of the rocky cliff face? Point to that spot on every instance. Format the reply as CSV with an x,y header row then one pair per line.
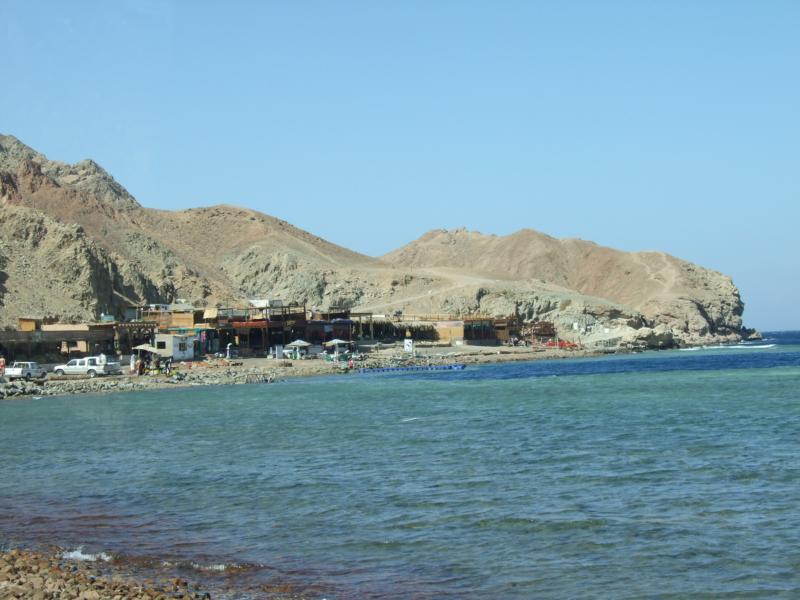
x,y
74,243
50,268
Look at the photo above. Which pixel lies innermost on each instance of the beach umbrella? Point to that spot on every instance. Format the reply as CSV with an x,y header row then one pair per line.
x,y
146,348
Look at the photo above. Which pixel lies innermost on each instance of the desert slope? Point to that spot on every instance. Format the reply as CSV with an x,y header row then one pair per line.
x,y
218,254
666,290
49,268
76,243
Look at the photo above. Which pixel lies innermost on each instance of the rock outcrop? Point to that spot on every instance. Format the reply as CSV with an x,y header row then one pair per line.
x,y
74,243
50,268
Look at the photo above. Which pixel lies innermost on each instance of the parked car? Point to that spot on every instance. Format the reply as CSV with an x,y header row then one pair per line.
x,y
91,366
25,370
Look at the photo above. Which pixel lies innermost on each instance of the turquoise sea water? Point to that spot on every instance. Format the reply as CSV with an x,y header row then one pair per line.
x,y
670,475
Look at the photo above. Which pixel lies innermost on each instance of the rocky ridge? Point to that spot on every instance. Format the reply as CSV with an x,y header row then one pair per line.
x,y
74,243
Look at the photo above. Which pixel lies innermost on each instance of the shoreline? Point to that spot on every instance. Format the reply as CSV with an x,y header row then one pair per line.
x,y
263,370
55,573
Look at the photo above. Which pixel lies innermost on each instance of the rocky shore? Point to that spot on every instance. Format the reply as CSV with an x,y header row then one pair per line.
x,y
45,576
261,370
54,574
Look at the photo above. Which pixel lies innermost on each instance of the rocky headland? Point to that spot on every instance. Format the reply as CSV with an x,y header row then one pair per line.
x,y
74,244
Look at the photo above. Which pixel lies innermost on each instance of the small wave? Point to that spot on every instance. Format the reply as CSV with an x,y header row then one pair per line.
x,y
409,419
207,568
534,525
79,554
218,567
232,567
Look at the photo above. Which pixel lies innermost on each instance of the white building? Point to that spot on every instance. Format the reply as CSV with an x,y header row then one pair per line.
x,y
179,347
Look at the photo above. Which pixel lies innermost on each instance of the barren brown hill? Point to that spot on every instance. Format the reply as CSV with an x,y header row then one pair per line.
x,y
666,290
75,243
207,255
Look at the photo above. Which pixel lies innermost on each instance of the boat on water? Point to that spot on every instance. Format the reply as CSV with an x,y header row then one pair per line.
x,y
729,347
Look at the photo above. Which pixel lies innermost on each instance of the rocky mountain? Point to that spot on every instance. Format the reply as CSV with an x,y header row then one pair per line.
x,y
74,243
686,299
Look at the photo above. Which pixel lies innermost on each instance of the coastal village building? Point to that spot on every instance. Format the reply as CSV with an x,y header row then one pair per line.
x,y
264,327
29,324
541,332
449,332
175,346
505,329
36,337
474,329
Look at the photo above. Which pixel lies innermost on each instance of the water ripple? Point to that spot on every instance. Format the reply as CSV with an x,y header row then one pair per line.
x,y
666,475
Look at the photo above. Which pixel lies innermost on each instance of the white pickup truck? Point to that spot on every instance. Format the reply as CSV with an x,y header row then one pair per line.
x,y
91,366
25,370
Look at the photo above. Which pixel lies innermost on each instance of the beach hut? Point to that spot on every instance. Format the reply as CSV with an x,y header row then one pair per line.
x,y
177,346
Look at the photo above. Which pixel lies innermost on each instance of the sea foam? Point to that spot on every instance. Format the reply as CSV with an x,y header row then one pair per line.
x,y
79,554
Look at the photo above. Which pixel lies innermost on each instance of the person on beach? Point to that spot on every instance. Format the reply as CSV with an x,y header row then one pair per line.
x,y
2,366
133,363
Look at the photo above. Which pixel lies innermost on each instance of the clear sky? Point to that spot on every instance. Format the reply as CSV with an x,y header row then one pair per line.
x,y
669,125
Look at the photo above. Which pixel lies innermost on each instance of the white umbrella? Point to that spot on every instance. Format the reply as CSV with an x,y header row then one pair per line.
x,y
336,342
298,344
146,348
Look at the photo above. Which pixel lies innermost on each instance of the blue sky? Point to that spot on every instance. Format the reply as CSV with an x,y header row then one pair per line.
x,y
639,125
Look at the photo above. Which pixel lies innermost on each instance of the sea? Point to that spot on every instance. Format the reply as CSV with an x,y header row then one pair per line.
x,y
672,474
